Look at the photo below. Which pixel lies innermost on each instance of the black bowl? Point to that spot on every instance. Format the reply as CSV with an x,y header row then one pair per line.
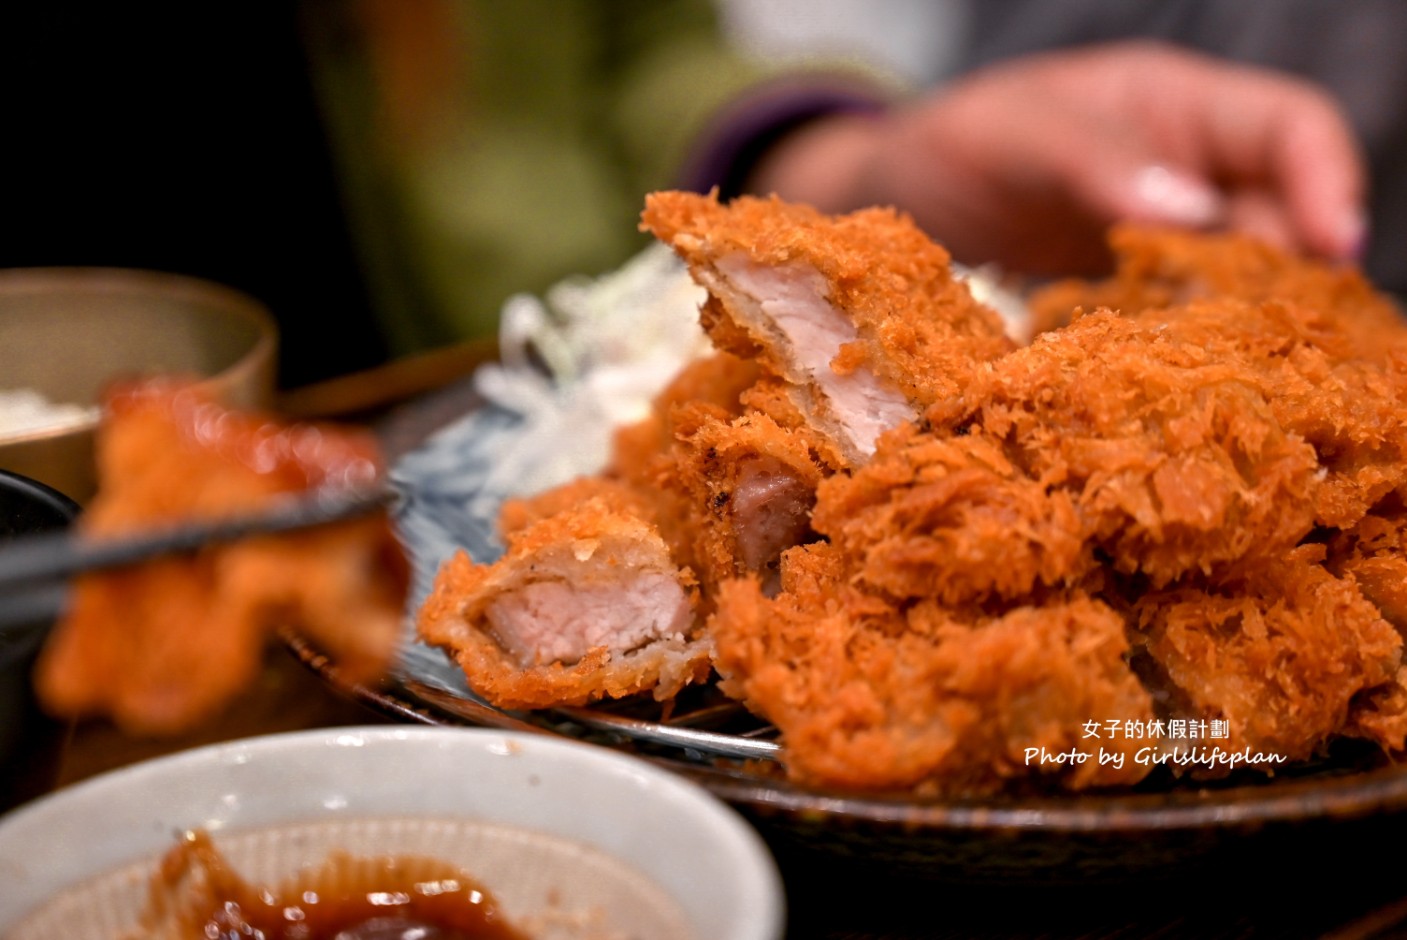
x,y
30,741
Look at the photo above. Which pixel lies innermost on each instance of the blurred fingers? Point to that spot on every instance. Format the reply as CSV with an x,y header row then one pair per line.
x,y
1283,138
1262,215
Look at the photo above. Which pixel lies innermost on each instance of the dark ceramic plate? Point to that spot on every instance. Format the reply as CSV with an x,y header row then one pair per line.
x,y
1309,817
1315,815
29,739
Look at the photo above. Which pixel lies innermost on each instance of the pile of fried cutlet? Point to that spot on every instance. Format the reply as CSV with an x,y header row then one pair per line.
x,y
925,551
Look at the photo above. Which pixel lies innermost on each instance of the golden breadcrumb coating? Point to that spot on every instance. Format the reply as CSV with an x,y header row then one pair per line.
x,y
915,326
1182,502
1172,453
163,646
747,486
1344,405
1374,554
519,513
1380,715
1164,267
1279,650
718,380
590,572
869,695
951,518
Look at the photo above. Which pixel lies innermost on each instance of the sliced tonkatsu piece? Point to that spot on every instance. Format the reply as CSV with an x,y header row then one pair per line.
x,y
586,603
860,314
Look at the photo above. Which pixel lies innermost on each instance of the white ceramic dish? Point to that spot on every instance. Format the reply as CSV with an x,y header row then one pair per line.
x,y
535,810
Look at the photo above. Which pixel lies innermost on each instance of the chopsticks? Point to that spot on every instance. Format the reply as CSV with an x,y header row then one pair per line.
x,y
34,568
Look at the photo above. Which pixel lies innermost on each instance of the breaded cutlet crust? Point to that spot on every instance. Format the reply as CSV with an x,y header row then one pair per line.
x,y
589,542
919,327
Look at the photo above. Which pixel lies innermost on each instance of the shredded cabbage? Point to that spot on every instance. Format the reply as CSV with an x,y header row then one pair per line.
x,y
588,357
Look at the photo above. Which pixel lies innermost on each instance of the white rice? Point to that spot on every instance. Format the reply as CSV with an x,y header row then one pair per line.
x,y
25,411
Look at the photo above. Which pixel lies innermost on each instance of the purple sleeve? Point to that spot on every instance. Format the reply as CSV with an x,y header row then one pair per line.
x,y
738,136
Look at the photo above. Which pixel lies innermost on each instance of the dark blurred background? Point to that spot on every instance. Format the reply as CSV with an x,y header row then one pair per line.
x,y
186,138
381,174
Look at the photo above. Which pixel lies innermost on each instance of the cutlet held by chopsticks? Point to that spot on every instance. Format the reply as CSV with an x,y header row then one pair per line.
x,y
164,645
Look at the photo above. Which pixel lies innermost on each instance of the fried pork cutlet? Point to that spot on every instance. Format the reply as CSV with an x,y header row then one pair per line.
x,y
729,488
164,645
1373,555
854,322
586,603
717,381
1279,650
743,490
1320,387
1112,455
871,695
1161,267
952,519
1172,453
1331,350
851,316
933,561
860,314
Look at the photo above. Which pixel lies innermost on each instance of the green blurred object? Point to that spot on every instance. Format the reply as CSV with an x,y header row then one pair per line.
x,y
487,149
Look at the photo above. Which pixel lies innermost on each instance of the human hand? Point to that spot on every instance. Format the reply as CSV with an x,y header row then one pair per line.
x,y
1027,163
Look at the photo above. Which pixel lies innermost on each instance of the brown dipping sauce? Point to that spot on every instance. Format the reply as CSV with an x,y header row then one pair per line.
x,y
347,898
